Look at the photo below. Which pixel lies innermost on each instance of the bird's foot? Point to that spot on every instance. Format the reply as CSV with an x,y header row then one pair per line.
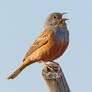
x,y
48,67
57,65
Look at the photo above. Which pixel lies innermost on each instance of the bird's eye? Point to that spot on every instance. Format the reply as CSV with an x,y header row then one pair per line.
x,y
54,17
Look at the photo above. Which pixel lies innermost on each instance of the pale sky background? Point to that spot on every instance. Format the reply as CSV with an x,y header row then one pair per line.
x,y
21,21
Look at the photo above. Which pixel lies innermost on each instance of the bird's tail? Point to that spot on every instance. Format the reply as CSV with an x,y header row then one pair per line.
x,y
16,72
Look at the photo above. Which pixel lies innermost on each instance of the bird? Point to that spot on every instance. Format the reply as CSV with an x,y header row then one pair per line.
x,y
49,45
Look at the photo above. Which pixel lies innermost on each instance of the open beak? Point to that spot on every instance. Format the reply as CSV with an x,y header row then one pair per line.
x,y
61,15
64,19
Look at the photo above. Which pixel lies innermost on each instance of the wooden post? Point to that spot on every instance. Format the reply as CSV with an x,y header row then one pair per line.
x,y
55,78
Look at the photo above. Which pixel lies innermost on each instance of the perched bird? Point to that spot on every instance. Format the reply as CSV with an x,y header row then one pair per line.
x,y
50,45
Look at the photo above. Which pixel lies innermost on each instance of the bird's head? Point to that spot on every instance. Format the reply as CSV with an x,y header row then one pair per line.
x,y
54,19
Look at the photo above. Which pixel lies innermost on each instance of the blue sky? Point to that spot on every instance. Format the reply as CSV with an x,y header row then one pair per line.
x,y
21,21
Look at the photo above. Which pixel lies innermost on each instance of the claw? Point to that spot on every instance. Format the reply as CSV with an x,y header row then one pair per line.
x,y
57,65
48,67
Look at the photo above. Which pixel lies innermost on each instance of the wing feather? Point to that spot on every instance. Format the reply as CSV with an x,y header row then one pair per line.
x,y
39,42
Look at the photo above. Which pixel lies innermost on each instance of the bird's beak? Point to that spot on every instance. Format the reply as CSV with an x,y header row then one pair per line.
x,y
64,19
63,13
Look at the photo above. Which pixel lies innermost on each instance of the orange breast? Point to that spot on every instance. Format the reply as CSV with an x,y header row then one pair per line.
x,y
62,47
51,50
54,49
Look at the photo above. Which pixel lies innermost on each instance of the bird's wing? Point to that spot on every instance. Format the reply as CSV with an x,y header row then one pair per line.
x,y
39,42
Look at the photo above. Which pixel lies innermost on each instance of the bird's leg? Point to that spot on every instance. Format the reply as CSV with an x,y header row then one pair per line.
x,y
48,67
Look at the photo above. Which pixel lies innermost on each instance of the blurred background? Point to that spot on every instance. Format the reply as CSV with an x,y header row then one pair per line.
x,y
21,21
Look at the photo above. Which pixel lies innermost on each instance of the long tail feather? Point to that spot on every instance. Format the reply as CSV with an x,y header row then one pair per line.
x,y
16,72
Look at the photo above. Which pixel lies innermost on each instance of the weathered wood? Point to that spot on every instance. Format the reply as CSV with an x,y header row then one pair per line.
x,y
55,79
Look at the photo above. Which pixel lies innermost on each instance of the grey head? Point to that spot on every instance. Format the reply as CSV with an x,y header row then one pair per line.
x,y
53,19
